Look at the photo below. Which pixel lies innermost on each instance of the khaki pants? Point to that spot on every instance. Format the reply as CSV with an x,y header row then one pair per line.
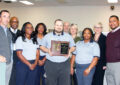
x,y
8,73
2,73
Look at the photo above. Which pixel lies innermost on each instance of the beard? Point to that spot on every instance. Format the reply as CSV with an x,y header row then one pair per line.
x,y
58,31
114,27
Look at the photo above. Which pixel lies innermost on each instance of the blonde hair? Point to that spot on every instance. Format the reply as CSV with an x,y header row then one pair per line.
x,y
73,25
100,24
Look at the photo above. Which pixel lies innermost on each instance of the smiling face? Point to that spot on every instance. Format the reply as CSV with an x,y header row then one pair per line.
x,y
73,30
14,22
58,26
40,29
28,29
98,29
113,23
4,18
87,35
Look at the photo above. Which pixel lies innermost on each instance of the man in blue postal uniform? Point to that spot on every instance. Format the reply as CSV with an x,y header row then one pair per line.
x,y
57,68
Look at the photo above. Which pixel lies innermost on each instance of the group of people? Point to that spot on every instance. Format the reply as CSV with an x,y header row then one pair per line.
x,y
26,57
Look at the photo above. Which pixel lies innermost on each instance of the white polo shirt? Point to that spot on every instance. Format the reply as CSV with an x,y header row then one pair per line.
x,y
27,47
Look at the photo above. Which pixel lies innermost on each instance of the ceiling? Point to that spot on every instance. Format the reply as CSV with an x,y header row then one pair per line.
x,y
59,3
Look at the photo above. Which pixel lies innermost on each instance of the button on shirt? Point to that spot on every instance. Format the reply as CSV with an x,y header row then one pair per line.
x,y
46,42
85,52
39,42
27,47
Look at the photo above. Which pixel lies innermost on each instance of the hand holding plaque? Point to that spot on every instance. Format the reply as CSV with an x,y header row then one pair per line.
x,y
59,48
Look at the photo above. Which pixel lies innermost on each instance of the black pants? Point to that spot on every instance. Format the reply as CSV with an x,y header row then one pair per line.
x,y
74,79
57,73
98,75
40,74
13,73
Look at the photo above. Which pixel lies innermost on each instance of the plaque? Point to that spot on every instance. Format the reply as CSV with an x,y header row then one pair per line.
x,y
59,48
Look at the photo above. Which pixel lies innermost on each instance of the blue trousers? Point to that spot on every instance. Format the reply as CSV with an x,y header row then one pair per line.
x,y
40,73
25,76
84,80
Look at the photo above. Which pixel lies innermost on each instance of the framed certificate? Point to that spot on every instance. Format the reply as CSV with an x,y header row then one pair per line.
x,y
59,48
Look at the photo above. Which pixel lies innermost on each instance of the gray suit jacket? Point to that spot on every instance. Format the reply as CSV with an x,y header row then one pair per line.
x,y
5,44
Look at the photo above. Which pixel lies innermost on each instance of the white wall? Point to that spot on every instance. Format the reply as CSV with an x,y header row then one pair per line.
x,y
84,16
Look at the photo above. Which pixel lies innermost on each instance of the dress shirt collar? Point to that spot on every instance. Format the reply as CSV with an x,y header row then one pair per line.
x,y
116,29
62,33
14,31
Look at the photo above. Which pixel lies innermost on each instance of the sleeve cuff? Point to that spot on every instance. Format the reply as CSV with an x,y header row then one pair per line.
x,y
73,54
38,48
19,49
97,56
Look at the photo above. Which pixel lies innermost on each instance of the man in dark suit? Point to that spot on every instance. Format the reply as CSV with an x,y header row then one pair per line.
x,y
5,47
14,22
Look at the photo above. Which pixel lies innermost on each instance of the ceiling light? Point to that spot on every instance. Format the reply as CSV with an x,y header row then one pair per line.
x,y
14,0
11,0
26,2
112,1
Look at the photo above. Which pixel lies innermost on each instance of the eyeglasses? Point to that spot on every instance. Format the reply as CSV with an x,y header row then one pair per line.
x,y
97,27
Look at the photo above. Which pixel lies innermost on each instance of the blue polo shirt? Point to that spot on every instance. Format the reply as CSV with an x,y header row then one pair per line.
x,y
85,52
46,42
39,42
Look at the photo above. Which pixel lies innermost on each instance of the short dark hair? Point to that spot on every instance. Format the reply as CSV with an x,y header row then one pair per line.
x,y
58,20
3,11
90,32
115,17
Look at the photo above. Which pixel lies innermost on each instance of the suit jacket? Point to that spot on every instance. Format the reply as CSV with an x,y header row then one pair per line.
x,y
15,35
5,44
102,44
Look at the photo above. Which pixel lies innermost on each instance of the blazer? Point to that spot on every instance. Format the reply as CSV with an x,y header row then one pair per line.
x,y
102,45
5,44
15,36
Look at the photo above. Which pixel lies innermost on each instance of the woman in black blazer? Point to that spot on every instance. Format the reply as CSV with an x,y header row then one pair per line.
x,y
101,66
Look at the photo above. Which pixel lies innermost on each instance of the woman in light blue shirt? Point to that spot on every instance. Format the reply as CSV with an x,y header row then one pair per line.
x,y
28,53
86,57
40,32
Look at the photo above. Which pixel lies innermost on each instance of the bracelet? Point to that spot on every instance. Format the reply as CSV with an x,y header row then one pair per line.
x,y
89,69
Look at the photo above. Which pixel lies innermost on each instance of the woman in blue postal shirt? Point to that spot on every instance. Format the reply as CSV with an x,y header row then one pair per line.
x,y
28,53
86,57
40,32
